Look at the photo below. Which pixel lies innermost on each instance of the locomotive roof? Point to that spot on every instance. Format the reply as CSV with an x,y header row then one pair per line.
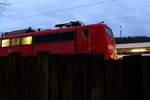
x,y
51,30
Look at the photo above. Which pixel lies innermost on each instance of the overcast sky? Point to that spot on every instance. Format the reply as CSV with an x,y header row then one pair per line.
x,y
132,15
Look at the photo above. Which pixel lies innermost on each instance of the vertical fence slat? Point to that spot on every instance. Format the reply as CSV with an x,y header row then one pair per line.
x,y
73,77
134,77
146,78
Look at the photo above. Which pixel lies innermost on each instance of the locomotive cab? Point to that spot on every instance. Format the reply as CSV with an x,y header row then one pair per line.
x,y
96,40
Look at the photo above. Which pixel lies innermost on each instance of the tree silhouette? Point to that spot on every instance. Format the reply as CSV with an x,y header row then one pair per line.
x,y
135,39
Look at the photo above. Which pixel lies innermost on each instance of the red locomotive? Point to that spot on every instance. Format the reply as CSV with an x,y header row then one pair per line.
x,y
70,38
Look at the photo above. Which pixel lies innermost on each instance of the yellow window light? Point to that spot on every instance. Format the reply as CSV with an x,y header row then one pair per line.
x,y
138,50
5,42
27,40
15,41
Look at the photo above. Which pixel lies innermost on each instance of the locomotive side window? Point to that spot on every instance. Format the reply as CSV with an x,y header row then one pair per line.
x,y
26,40
5,42
109,32
15,41
85,33
54,37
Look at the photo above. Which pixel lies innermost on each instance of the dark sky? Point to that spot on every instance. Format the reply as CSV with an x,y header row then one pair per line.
x,y
132,15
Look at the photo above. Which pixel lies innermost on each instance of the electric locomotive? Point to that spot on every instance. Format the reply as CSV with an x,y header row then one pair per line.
x,y
67,39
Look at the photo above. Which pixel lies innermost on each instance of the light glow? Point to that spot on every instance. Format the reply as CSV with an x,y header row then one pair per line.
x,y
138,50
15,41
27,40
5,42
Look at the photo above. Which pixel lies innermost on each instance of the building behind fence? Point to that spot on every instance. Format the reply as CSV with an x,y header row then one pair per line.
x,y
75,77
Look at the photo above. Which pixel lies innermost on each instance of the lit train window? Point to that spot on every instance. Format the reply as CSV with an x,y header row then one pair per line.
x,y
5,42
27,40
15,41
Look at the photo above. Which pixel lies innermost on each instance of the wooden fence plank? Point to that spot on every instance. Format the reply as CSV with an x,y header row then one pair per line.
x,y
73,77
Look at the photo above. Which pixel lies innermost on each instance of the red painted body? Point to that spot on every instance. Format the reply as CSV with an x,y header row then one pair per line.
x,y
95,42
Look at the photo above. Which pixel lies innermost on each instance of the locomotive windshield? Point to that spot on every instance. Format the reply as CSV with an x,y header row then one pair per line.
x,y
109,32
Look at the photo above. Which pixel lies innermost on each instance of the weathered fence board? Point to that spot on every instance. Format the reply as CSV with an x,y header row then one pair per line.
x,y
74,77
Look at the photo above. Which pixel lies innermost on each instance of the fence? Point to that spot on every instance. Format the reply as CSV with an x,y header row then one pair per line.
x,y
74,77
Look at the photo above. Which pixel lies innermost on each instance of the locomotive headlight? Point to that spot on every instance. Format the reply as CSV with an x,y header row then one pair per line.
x,y
138,50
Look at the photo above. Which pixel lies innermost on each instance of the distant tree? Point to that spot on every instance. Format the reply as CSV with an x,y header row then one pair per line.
x,y
132,39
